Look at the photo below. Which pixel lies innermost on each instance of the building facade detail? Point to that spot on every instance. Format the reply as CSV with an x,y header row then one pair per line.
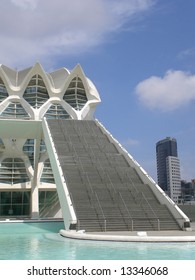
x,y
32,94
173,178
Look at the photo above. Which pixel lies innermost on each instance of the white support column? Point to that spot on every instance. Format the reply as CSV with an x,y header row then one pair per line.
x,y
34,186
34,200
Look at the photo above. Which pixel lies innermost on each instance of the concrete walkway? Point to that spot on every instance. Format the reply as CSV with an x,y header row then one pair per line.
x,y
134,236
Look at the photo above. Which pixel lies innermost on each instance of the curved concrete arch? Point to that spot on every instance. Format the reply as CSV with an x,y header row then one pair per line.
x,y
58,78
36,70
15,98
5,80
56,100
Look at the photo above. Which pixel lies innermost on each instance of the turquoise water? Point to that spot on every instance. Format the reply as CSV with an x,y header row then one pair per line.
x,y
41,241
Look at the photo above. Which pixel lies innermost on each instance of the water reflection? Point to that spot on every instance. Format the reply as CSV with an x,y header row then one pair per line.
x,y
28,242
34,247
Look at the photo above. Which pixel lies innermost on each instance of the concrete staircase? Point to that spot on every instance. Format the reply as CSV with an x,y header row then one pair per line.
x,y
106,192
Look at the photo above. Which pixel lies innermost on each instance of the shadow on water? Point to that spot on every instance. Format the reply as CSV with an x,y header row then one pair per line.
x,y
31,227
51,226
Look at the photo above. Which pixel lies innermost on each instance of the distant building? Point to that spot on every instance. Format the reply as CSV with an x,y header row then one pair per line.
x,y
188,191
173,178
168,167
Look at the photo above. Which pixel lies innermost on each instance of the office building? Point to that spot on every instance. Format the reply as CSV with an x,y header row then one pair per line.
x,y
188,191
168,167
173,178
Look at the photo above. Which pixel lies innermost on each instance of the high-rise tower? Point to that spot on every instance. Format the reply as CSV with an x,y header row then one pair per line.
x,y
168,167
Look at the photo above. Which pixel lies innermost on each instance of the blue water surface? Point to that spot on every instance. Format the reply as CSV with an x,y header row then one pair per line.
x,y
41,241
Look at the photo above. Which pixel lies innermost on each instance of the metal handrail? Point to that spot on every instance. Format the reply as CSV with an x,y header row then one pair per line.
x,y
101,210
127,210
134,187
106,221
71,197
113,187
144,197
84,172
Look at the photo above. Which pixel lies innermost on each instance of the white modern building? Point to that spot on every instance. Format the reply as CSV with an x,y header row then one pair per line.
x,y
27,186
173,178
56,161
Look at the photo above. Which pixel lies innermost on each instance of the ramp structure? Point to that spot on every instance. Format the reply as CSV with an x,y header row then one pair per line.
x,y
105,189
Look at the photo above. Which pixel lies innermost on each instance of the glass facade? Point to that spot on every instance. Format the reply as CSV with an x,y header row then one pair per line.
x,y
36,93
28,149
3,91
75,94
14,110
13,171
42,147
56,111
14,203
47,174
46,199
164,148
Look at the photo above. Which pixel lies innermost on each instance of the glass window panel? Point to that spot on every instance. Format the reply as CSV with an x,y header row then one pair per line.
x,y
41,196
26,210
38,92
75,94
26,197
32,82
42,146
17,209
56,111
47,173
28,149
5,210
46,199
41,83
13,171
3,91
15,203
6,197
16,197
14,110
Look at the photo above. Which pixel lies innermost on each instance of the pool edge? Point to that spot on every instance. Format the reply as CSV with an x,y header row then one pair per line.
x,y
137,237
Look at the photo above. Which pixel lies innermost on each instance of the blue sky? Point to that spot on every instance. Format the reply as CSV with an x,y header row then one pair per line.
x,y
140,54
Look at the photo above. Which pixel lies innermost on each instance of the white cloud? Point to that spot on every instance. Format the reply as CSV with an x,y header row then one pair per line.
x,y
25,4
175,89
187,53
130,7
34,30
130,142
